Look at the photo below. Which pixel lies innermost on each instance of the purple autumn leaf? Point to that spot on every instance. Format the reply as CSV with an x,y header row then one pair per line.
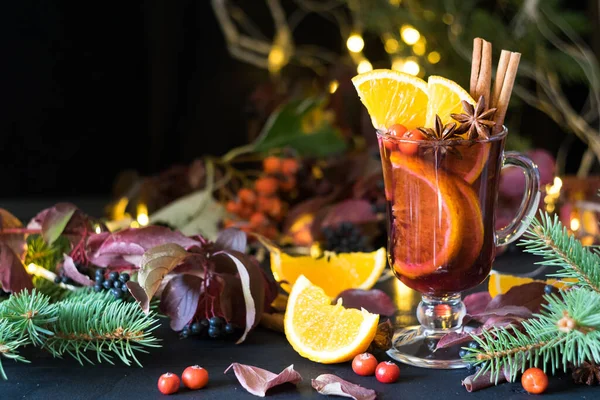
x,y
128,246
456,338
529,295
374,301
354,211
233,239
257,380
179,299
477,302
70,271
13,276
56,221
332,385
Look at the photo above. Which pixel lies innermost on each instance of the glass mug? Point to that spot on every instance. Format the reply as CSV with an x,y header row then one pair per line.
x,y
441,200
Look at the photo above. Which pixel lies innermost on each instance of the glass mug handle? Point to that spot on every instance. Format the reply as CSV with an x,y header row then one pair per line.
x,y
530,201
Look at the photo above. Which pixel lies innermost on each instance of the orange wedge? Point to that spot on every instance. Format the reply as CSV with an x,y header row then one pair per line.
x,y
445,98
330,271
429,221
469,160
392,97
323,332
501,283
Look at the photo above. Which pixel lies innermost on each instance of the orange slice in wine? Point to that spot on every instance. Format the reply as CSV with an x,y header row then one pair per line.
x,y
472,238
428,217
468,161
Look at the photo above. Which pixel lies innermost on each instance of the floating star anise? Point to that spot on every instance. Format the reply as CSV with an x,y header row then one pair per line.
x,y
442,135
475,121
588,373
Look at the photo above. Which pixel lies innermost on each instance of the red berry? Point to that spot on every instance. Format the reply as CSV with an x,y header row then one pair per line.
x,y
246,211
272,165
168,383
534,381
232,207
275,209
266,186
410,148
364,364
258,219
397,130
288,183
289,166
387,372
195,377
247,196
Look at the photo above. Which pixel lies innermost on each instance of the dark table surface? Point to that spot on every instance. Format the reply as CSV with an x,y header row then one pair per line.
x,y
47,378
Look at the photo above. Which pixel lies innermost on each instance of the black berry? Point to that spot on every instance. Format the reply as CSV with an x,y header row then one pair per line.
x,y
462,353
64,279
57,279
185,332
215,321
204,322
107,284
117,293
229,328
196,328
124,289
346,237
548,289
124,277
97,287
99,278
113,276
99,272
214,331
473,345
118,284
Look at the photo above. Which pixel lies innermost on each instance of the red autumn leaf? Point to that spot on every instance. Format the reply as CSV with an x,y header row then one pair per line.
x,y
477,302
374,301
70,270
16,241
332,385
13,276
232,239
354,211
257,380
56,221
529,295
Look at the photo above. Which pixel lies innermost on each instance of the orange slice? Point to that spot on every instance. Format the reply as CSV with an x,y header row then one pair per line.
x,y
323,332
330,271
392,97
445,98
501,283
471,161
470,213
427,217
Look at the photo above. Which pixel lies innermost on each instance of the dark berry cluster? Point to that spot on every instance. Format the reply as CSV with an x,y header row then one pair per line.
x,y
116,283
463,352
344,238
215,327
63,279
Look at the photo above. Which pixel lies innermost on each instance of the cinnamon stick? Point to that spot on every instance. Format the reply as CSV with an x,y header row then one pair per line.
x,y
475,65
506,91
484,81
500,74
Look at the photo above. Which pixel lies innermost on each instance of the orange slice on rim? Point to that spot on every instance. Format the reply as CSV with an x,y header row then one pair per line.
x,y
445,98
428,221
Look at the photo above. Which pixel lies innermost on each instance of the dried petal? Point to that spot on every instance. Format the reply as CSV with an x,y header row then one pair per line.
x,y
332,385
257,380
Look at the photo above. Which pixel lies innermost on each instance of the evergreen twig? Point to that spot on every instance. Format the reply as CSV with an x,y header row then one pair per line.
x,y
30,314
10,340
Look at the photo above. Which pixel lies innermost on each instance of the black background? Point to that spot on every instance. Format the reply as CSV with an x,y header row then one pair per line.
x,y
91,88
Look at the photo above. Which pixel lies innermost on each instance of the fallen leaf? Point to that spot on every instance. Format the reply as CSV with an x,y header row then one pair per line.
x,y
455,338
233,239
257,380
179,299
332,385
13,276
374,301
139,295
157,263
70,271
477,302
15,241
505,311
354,211
530,295
56,221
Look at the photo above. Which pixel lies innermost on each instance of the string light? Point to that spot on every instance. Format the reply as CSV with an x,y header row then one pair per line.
x,y
409,34
355,43
420,47
364,66
397,63
575,224
276,59
552,194
410,66
333,86
98,228
134,224
395,2
142,214
448,19
391,45
428,15
434,57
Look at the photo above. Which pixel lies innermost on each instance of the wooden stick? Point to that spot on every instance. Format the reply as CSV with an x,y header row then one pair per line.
x,y
484,82
475,65
506,90
500,74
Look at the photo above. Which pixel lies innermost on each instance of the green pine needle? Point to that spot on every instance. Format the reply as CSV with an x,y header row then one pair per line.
x,y
30,314
547,238
10,340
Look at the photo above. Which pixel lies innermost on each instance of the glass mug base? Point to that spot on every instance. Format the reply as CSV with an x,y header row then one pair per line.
x,y
415,345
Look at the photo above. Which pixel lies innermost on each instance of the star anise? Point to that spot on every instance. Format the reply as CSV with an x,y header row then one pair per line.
x,y
587,372
442,135
475,121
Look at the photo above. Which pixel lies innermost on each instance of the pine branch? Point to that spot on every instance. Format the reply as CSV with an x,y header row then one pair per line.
x,y
566,332
547,237
10,341
102,325
30,314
